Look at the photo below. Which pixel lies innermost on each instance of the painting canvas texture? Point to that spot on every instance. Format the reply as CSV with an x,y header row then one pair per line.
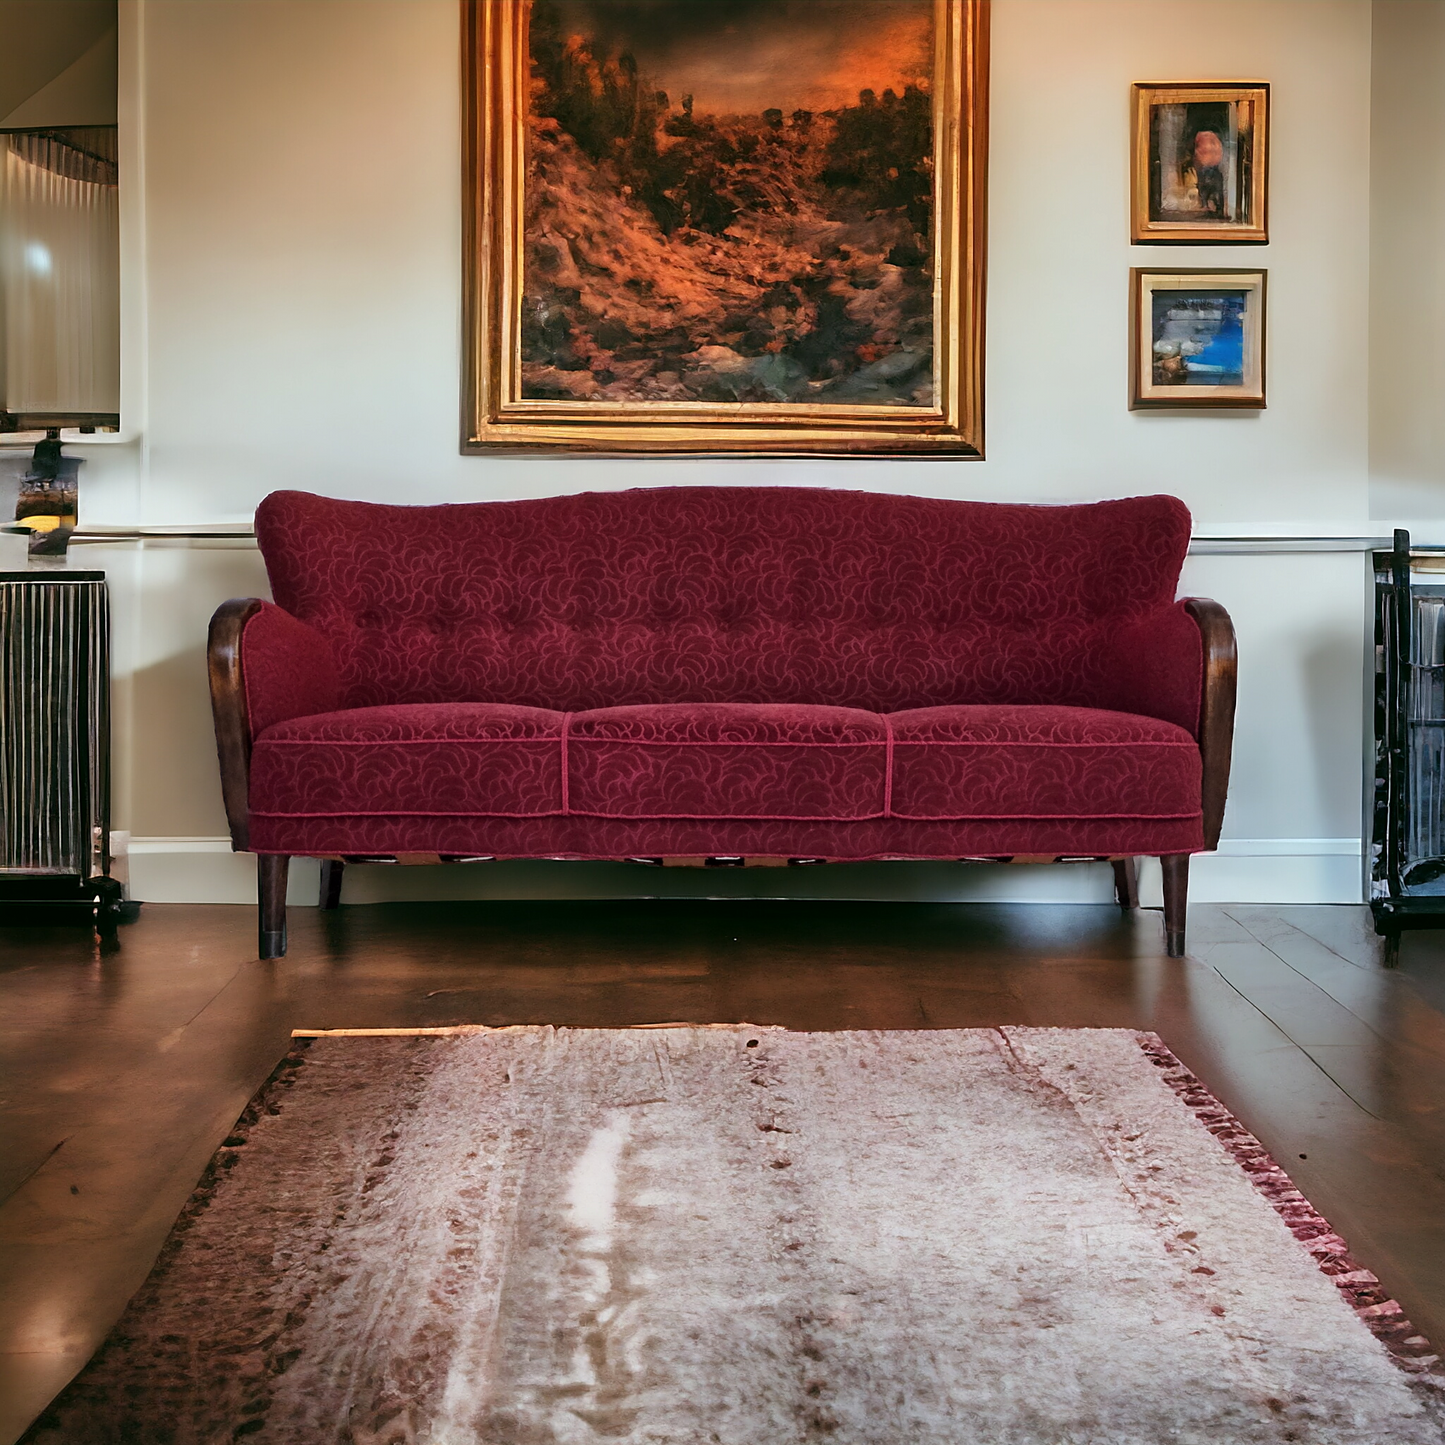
x,y
1201,155
1198,337
729,203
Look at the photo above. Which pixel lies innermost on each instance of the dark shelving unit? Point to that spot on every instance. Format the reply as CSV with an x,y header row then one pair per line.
x,y
1407,852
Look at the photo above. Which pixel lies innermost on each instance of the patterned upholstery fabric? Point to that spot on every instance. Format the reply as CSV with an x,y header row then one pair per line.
x,y
754,671
444,764
293,672
727,760
417,760
1041,762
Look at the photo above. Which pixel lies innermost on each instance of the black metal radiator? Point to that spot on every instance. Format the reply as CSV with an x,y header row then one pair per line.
x,y
54,738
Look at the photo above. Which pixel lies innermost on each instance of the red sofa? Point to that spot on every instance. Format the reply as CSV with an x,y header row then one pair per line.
x,y
722,673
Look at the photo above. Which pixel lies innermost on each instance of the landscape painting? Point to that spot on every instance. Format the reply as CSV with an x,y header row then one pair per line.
x,y
730,202
729,224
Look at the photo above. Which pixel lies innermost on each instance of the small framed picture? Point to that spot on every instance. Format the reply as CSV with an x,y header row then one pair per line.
x,y
1196,338
1201,162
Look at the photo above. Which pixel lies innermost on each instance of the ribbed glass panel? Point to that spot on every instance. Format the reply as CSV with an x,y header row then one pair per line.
x,y
53,726
1426,822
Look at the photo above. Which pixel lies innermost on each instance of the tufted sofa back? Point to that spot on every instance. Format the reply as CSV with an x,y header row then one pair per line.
x,y
742,594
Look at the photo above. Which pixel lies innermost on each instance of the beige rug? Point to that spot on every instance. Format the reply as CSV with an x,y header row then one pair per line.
x,y
738,1236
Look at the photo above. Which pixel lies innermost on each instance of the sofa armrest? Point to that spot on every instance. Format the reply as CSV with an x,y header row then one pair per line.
x,y
1216,707
265,666
1178,664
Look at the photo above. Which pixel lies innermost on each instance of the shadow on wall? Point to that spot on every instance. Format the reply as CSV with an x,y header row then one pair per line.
x,y
173,749
176,781
922,882
1329,667
1398,497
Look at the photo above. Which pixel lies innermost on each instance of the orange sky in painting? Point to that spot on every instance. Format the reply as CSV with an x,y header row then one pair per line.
x,y
824,70
814,56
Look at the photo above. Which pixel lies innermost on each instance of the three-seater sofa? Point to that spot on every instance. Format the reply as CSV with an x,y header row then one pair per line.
x,y
725,674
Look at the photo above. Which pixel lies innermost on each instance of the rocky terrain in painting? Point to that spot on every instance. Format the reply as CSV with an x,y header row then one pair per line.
x,y
675,256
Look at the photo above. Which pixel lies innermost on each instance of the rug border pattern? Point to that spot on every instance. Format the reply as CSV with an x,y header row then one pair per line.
x,y
1360,1288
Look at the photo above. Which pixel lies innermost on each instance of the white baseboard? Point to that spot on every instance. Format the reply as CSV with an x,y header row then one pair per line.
x,y
204,870
1268,870
1244,870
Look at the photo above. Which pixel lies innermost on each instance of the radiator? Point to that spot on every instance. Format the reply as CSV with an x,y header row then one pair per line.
x,y
54,735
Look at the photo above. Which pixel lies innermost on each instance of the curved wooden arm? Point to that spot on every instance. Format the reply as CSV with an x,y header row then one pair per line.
x,y
1216,708
228,708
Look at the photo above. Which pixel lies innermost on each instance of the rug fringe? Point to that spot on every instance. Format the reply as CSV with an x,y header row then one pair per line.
x,y
1362,1291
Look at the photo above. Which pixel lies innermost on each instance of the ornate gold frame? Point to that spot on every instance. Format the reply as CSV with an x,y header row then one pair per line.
x,y
495,417
1143,230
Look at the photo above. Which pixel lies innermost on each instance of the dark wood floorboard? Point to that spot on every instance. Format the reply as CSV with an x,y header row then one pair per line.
x,y
122,1072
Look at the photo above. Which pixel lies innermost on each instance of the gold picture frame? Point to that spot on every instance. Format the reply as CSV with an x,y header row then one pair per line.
x,y
1200,172
1196,338
563,378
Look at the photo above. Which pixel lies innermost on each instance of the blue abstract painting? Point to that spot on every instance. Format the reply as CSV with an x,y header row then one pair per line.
x,y
1198,338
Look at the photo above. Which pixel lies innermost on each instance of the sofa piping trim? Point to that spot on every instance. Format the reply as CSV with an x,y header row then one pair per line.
x,y
886,857
566,729
778,817
570,740
887,766
263,740
245,671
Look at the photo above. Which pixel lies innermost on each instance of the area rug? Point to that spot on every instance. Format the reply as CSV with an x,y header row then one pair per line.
x,y
745,1236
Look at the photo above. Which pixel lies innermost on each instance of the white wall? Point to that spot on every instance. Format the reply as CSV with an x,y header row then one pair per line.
x,y
291,179
1407,339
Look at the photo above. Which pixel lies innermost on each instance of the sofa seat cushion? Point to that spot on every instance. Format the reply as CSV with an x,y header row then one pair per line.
x,y
1001,762
418,759
758,762
727,760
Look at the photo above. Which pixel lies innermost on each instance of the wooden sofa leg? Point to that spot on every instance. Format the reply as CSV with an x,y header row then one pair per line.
x,y
271,871
1126,883
1176,901
331,871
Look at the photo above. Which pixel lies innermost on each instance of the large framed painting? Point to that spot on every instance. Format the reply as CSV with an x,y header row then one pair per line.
x,y
726,226
1196,338
1201,162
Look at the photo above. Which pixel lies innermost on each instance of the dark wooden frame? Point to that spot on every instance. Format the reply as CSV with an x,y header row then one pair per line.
x,y
228,709
1216,708
233,748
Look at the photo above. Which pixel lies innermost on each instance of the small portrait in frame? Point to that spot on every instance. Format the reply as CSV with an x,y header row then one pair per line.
x,y
1196,338
1201,153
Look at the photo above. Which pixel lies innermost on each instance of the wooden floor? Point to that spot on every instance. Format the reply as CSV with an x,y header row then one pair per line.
x,y
121,1073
